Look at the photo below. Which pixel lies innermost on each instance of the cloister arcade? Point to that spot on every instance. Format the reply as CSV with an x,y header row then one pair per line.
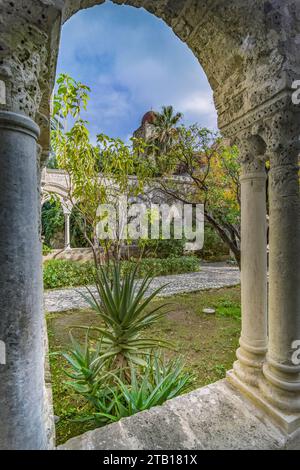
x,y
56,183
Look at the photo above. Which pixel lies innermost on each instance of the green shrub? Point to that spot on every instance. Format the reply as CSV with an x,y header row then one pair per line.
x,y
52,220
171,248
46,249
62,273
163,267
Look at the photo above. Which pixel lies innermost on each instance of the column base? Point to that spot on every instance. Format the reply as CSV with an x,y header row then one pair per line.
x,y
248,366
247,374
289,422
281,389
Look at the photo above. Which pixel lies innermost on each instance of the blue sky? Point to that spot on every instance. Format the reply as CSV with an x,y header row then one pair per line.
x,y
133,62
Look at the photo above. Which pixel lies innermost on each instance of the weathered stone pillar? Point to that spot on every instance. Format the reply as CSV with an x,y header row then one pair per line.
x,y
21,328
253,340
282,369
67,215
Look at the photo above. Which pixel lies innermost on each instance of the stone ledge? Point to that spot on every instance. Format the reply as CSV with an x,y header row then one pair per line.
x,y
288,422
213,417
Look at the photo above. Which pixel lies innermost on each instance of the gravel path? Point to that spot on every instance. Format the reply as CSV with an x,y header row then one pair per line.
x,y
210,277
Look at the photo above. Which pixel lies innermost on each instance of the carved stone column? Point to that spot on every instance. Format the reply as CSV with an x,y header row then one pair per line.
x,y
253,340
67,215
282,370
22,415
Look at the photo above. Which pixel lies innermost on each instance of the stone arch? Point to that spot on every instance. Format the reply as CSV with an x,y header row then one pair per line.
x,y
248,51
241,45
57,182
234,42
231,41
56,189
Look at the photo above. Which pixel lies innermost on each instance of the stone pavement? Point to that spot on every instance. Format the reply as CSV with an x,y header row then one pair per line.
x,y
210,277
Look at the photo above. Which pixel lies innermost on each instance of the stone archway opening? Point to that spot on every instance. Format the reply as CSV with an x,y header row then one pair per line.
x,y
251,64
128,72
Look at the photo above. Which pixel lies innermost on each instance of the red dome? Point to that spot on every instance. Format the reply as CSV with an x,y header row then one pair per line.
x,y
149,117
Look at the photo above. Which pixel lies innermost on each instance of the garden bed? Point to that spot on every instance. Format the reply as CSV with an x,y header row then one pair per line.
x,y
207,343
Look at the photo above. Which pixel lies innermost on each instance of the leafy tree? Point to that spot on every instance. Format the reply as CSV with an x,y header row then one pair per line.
x,y
213,171
82,160
55,123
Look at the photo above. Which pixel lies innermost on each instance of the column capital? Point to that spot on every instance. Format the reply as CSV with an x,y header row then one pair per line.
x,y
282,134
67,212
252,154
67,206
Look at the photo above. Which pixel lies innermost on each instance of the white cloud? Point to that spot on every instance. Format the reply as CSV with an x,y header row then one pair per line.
x,y
197,103
133,62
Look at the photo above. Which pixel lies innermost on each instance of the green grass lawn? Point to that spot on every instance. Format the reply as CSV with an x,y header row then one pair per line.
x,y
207,343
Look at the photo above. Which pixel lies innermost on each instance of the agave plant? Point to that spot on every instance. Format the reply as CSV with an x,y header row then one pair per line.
x,y
88,370
123,307
159,381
